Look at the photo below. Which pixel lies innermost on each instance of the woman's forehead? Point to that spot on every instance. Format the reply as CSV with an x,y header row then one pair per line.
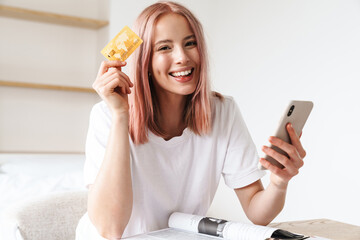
x,y
171,26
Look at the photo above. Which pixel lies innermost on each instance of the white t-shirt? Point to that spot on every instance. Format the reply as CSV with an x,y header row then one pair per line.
x,y
181,174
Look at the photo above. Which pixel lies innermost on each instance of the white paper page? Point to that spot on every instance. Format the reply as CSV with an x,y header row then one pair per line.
x,y
317,238
185,221
231,230
173,234
243,231
176,234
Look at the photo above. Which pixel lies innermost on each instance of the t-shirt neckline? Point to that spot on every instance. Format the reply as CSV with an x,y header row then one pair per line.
x,y
173,141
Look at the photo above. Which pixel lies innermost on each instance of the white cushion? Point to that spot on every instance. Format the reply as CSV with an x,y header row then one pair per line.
x,y
54,217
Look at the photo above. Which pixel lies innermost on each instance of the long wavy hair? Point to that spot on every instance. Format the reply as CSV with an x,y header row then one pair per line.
x,y
144,110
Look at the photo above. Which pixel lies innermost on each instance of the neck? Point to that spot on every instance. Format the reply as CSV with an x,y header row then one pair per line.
x,y
171,114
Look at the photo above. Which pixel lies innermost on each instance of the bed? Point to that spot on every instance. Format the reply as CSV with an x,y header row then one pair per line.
x,y
25,177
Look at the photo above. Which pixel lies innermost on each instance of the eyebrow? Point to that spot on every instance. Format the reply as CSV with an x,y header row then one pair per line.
x,y
167,40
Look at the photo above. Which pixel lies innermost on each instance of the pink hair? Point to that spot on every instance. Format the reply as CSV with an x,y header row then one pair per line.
x,y
143,107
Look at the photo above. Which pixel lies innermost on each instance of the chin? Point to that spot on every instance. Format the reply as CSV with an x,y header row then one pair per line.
x,y
187,91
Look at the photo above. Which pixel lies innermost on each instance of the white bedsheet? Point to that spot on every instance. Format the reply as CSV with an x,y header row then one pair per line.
x,y
41,164
19,187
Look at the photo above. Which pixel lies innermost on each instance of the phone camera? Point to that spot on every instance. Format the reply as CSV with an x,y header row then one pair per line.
x,y
291,110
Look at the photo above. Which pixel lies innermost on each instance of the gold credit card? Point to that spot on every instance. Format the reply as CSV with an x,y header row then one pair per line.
x,y
122,45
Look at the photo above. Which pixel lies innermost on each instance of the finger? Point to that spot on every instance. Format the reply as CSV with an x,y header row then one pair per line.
x,y
109,88
113,84
104,78
282,173
295,140
113,70
123,86
127,78
111,75
290,149
284,160
112,87
105,65
274,169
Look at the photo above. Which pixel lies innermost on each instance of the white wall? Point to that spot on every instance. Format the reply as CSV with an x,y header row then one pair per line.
x,y
265,53
33,120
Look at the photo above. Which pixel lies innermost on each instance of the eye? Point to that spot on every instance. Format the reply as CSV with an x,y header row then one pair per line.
x,y
191,43
163,48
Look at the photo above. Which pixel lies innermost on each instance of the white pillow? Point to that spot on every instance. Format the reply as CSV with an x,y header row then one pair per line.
x,y
15,188
41,164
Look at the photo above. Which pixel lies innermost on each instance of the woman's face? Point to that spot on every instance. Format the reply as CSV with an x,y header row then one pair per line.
x,y
175,60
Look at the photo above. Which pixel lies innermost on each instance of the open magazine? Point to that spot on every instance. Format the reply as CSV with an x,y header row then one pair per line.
x,y
189,227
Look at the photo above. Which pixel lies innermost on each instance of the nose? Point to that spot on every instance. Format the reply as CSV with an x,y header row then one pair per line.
x,y
181,56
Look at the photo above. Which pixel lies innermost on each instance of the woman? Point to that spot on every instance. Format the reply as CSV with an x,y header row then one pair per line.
x,y
165,148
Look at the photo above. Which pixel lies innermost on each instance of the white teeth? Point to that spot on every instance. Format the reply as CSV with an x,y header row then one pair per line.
x,y
181,74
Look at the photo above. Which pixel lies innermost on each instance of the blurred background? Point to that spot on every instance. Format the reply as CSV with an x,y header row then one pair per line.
x,y
263,53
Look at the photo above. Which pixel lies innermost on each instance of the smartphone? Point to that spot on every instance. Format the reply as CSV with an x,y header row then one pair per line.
x,y
296,113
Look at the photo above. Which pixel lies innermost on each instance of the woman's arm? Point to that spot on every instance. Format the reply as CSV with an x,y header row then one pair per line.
x,y
262,206
110,197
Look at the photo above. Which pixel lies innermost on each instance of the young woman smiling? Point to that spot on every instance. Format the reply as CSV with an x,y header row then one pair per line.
x,y
165,148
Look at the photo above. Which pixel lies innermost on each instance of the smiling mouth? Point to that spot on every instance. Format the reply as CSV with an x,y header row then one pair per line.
x,y
182,73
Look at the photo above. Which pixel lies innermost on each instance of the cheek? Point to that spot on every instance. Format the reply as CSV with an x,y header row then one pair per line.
x,y
196,56
160,64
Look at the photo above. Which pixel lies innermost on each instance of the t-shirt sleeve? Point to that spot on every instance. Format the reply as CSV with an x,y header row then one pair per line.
x,y
96,140
241,161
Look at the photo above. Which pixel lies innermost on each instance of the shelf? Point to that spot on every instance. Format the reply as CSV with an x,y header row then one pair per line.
x,y
47,17
46,86
39,152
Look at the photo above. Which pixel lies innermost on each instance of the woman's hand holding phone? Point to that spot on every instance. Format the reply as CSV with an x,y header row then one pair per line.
x,y
292,163
284,157
113,86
